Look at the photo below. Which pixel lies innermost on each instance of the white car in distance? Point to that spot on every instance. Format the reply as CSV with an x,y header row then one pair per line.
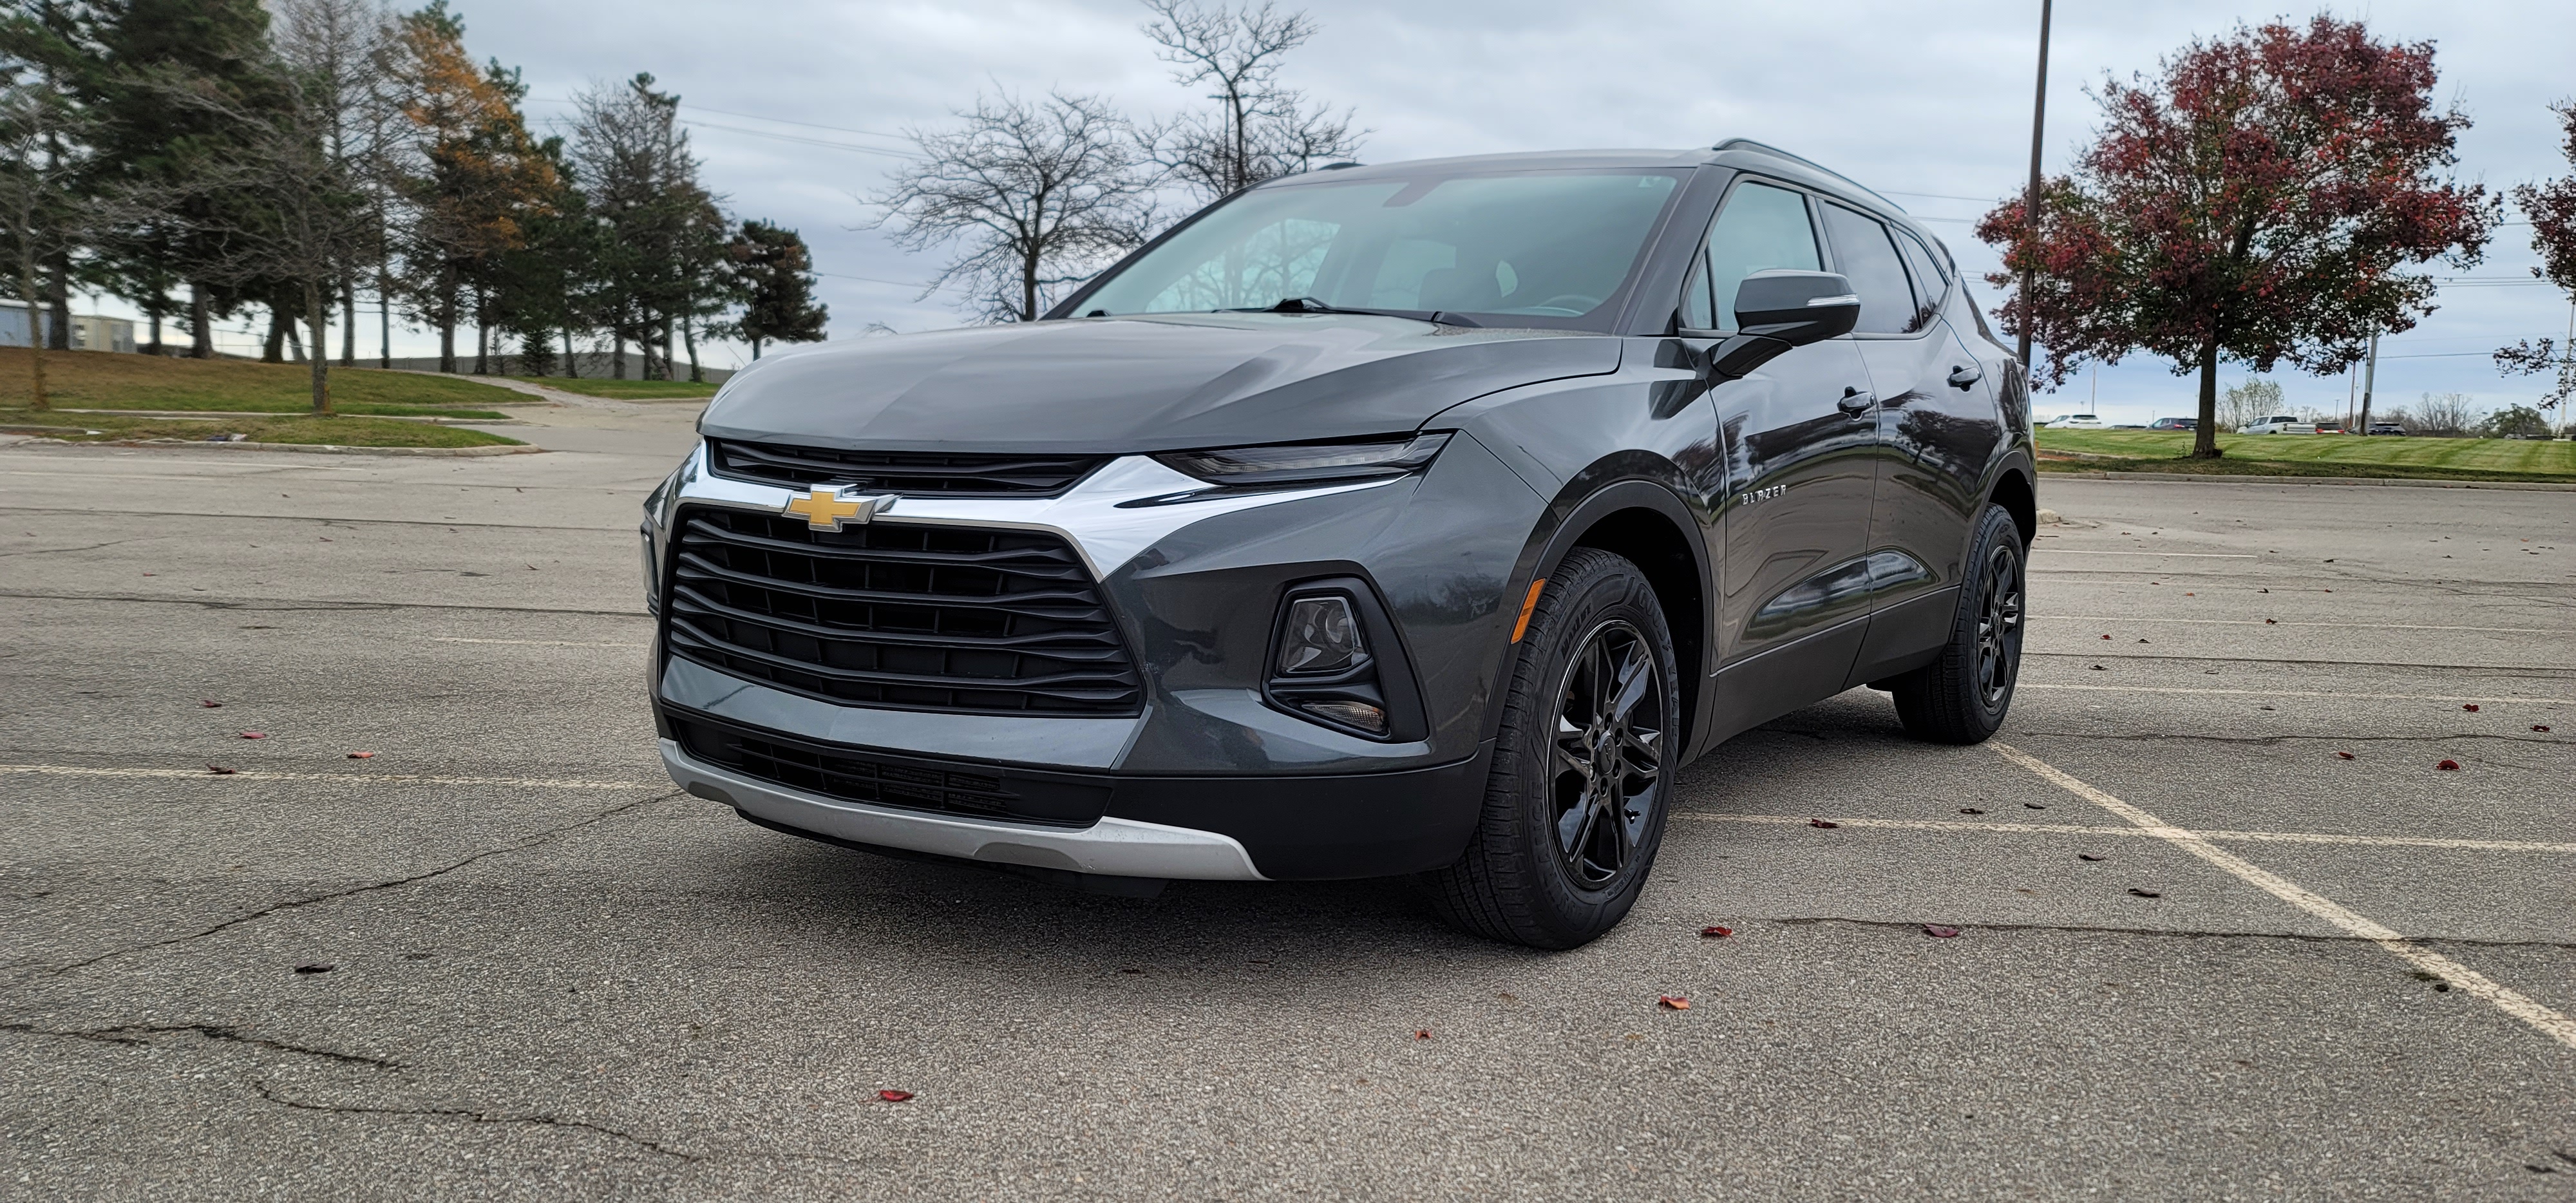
x,y
2073,422
2279,424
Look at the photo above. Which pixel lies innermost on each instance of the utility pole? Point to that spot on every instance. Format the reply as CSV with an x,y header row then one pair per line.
x,y
2030,198
2369,378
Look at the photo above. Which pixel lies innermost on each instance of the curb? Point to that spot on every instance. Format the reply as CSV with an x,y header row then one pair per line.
x,y
218,414
305,448
2534,486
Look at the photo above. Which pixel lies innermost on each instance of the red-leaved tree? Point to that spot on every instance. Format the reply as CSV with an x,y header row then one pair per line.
x,y
2552,209
2254,202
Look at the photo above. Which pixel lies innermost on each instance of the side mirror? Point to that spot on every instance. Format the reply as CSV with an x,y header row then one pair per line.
x,y
1796,307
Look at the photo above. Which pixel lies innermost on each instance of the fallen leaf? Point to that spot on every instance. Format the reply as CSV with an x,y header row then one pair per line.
x,y
1422,1034
2035,805
1938,932
2262,591
1131,971
2271,622
2142,641
254,735
2471,707
2191,595
1970,810
2540,726
2098,668
361,755
2086,856
315,968
1673,1003
2448,765
895,1096
221,771
1716,933
1822,823
2343,755
211,704
2106,636
2145,893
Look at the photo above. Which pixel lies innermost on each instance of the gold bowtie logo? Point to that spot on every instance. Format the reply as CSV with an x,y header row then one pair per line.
x,y
826,509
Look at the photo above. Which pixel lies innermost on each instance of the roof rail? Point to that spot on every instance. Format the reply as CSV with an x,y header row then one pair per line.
x,y
1802,160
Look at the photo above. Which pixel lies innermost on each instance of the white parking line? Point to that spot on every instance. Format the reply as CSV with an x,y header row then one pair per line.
x,y
2542,1019
2305,693
69,770
2263,622
2184,555
532,642
2254,837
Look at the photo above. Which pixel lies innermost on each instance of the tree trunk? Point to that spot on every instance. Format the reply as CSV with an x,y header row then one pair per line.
x,y
60,305
447,333
272,349
1029,289
617,357
482,335
201,334
384,318
667,361
689,338
2204,436
318,317
572,358
348,323
755,350
35,343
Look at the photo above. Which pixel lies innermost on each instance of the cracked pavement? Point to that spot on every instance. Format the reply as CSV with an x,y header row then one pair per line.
x,y
550,976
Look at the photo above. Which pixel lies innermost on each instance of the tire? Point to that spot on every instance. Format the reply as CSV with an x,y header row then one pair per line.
x,y
1962,697
1581,776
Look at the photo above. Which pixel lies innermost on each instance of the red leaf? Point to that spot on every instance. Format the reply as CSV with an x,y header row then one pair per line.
x,y
2448,764
211,704
2106,636
2343,755
254,735
361,755
2270,622
1423,1034
1716,933
895,1096
1671,1002
1939,932
2471,707
1822,823
2540,726
221,771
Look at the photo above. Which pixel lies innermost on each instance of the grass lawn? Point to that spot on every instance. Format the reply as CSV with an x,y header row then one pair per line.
x,y
101,380
344,431
627,390
2317,455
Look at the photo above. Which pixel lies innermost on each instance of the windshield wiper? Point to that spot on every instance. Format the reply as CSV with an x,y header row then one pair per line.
x,y
1311,305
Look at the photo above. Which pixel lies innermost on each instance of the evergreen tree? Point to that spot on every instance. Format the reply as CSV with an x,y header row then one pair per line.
x,y
773,276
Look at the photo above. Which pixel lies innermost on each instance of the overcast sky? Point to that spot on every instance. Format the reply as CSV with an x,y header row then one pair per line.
x,y
797,107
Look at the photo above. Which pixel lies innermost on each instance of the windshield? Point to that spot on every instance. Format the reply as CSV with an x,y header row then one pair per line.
x,y
1536,248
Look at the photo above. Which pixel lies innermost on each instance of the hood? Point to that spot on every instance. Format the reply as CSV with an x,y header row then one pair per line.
x,y
1139,384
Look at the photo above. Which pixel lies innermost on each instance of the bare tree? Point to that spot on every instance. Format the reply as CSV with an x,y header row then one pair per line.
x,y
42,217
343,49
1259,129
1036,195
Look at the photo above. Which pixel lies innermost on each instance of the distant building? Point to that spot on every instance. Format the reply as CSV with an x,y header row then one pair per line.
x,y
89,331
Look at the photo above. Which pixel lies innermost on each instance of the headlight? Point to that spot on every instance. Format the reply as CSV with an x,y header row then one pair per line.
x,y
1299,463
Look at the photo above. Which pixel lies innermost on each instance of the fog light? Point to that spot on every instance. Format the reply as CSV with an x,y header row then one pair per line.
x,y
1371,719
1323,637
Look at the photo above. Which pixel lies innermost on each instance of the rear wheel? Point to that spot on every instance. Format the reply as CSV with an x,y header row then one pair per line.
x,y
1962,697
1575,800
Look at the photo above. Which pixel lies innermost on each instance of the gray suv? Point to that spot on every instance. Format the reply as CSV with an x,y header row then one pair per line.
x,y
1422,518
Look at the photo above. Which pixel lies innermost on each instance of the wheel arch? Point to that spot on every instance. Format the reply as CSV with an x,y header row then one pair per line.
x,y
2013,491
1649,525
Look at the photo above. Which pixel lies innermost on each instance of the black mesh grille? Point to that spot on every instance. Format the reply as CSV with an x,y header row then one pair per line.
x,y
912,784
907,617
955,475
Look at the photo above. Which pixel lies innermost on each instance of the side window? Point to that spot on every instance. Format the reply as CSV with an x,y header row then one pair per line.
x,y
1762,227
1931,284
1863,254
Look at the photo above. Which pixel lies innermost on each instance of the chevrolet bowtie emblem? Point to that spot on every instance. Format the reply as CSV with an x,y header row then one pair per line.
x,y
826,509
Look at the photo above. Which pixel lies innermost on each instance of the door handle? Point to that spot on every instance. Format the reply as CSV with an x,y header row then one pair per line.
x,y
1962,378
1855,402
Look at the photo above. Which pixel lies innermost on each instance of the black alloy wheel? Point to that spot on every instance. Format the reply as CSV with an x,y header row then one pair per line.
x,y
1609,763
1575,794
1961,697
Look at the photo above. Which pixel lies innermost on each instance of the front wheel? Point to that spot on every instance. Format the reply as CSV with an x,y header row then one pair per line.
x,y
1961,698
1575,799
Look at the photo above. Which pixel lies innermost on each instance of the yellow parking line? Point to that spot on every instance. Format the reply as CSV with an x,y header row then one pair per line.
x,y
2270,837
2542,1019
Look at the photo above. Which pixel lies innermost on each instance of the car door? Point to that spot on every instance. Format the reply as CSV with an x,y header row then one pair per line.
x,y
1797,434
1935,435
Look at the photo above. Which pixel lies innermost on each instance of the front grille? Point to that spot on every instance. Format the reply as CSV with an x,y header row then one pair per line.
x,y
907,617
858,776
944,473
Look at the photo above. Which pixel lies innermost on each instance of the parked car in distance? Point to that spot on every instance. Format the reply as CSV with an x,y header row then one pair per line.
x,y
2174,424
2386,428
1416,518
2073,422
2329,428
2279,424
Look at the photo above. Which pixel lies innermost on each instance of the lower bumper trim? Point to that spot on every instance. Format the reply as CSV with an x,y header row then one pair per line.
x,y
1112,847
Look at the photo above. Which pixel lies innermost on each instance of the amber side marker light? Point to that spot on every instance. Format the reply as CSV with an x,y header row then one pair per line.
x,y
1527,604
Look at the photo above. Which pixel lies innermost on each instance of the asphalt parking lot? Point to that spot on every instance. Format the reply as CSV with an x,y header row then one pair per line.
x,y
2199,952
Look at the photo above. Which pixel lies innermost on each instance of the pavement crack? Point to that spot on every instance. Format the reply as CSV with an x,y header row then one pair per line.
x,y
55,551
371,887
135,1035
2174,932
479,1116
